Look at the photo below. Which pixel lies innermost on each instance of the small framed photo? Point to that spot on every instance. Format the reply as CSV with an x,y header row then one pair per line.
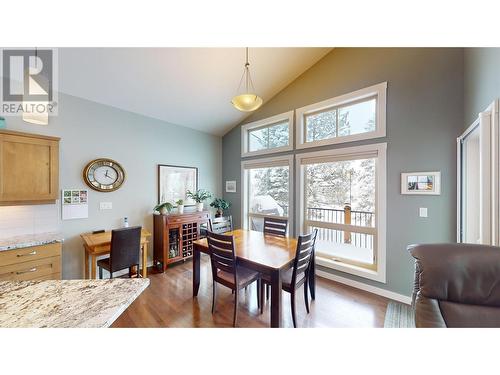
x,y
421,183
230,186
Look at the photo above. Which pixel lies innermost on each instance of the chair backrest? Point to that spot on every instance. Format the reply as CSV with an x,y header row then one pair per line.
x,y
221,224
125,248
275,226
221,249
303,255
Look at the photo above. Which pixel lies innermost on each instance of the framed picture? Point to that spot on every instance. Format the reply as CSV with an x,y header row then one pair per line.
x,y
174,181
230,186
421,183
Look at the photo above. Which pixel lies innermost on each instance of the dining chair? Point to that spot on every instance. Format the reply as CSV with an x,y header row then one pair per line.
x,y
225,271
221,224
296,276
275,226
125,251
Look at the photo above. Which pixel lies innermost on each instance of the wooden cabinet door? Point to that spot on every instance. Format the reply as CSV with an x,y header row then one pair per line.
x,y
29,168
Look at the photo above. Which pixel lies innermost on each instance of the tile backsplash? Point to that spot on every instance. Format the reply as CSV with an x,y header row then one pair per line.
x,y
29,219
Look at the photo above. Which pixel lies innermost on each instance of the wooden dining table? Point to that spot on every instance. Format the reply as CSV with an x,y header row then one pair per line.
x,y
97,244
267,254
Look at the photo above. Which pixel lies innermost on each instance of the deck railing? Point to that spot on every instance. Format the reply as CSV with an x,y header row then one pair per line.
x,y
342,216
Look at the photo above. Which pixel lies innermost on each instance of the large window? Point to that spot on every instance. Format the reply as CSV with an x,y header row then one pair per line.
x,y
266,190
267,136
342,195
351,117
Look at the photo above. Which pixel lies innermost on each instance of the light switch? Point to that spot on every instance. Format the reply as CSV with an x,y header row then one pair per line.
x,y
423,211
105,205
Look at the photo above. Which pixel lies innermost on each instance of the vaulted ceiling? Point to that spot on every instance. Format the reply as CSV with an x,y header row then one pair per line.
x,y
191,87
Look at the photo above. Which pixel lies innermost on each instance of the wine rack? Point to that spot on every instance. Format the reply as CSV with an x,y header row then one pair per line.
x,y
174,236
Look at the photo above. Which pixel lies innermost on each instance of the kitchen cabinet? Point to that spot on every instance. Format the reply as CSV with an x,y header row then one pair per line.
x,y
29,168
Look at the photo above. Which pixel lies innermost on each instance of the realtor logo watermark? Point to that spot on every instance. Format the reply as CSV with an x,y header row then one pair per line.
x,y
29,81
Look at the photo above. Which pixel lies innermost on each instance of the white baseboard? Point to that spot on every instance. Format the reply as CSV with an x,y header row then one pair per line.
x,y
368,288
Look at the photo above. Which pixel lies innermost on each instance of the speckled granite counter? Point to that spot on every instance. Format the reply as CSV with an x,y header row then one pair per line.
x,y
29,240
66,303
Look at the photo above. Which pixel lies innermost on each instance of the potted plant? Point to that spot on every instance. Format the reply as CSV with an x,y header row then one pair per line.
x,y
220,205
180,206
164,208
199,196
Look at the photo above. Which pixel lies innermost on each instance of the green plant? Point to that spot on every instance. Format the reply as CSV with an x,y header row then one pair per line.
x,y
167,205
180,202
220,204
199,195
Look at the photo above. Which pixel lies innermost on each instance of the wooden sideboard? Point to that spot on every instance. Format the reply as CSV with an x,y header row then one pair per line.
x,y
31,263
29,168
174,235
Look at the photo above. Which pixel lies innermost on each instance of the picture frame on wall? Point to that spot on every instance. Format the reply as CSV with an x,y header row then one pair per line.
x,y
174,181
421,183
230,186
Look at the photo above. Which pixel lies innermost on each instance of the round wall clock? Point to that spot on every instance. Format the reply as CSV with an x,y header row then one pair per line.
x,y
104,175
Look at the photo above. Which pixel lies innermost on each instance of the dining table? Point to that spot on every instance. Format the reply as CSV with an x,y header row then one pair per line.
x,y
270,255
99,243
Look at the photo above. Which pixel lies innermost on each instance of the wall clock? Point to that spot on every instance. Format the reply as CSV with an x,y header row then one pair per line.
x,y
104,175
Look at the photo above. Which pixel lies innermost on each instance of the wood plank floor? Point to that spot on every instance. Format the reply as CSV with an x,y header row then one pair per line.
x,y
168,302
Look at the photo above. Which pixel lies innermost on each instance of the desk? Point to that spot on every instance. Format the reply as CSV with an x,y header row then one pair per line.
x,y
266,254
97,244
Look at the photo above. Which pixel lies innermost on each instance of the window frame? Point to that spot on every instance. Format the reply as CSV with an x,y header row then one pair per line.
x,y
346,153
266,123
285,160
378,91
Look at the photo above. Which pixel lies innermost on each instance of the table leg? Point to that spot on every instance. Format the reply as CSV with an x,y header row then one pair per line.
x,y
86,263
93,267
312,277
276,299
145,260
196,271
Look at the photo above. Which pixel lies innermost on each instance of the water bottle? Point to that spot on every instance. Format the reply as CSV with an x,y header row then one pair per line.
x,y
125,222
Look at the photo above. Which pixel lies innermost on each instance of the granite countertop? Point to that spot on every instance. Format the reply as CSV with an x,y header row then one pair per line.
x,y
66,303
28,240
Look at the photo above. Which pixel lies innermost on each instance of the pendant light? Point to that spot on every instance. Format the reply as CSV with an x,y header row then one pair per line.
x,y
38,110
247,101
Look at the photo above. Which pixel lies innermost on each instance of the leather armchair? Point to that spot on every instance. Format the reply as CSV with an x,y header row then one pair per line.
x,y
456,285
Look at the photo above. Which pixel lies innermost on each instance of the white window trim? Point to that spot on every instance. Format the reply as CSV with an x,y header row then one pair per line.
x,y
379,91
267,162
287,116
380,206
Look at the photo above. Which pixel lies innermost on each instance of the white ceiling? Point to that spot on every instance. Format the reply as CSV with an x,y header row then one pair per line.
x,y
191,87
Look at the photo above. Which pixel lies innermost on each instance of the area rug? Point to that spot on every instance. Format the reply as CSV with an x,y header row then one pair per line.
x,y
399,315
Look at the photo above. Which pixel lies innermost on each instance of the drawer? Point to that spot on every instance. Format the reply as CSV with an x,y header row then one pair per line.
x,y
54,276
31,270
29,253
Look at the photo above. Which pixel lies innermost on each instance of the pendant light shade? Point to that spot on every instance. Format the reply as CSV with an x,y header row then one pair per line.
x,y
246,101
35,112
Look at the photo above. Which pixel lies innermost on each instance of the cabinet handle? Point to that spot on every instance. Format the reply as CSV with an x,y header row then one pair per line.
x,y
27,271
23,255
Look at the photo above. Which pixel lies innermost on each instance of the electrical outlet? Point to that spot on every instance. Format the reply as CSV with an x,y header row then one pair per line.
x,y
106,205
422,211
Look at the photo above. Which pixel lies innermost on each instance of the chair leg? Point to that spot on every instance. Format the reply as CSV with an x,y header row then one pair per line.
x,y
306,295
235,316
292,297
261,297
258,293
214,289
130,272
100,272
268,291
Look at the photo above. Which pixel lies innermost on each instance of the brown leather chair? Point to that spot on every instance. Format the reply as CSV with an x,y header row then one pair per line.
x,y
124,253
456,285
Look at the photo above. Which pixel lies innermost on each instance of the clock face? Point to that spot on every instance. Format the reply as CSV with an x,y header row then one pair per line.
x,y
104,175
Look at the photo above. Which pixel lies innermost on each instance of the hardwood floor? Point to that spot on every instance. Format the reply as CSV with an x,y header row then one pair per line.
x,y
168,302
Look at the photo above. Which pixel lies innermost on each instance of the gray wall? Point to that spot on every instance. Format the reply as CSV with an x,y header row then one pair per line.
x,y
481,81
424,117
90,130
